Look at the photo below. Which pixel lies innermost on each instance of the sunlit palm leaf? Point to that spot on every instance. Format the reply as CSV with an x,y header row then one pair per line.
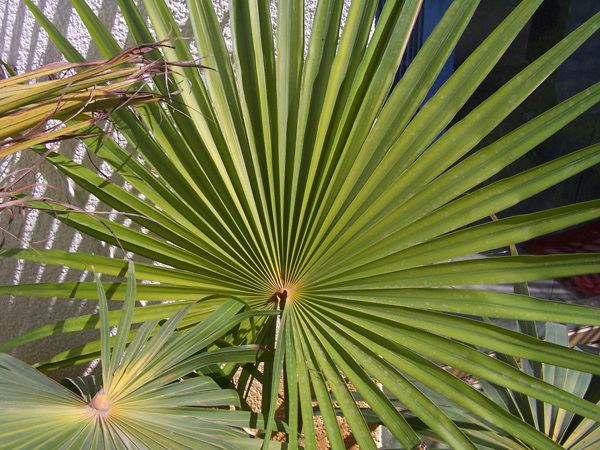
x,y
313,185
141,399
562,426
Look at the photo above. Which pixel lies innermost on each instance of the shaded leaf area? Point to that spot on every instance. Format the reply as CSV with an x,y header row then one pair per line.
x,y
313,187
150,394
568,430
562,426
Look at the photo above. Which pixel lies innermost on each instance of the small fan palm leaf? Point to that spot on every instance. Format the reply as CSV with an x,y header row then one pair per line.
x,y
562,426
144,398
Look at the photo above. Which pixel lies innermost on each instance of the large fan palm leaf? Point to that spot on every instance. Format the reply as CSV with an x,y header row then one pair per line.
x,y
311,184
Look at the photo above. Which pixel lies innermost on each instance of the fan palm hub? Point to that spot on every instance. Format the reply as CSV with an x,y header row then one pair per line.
x,y
100,405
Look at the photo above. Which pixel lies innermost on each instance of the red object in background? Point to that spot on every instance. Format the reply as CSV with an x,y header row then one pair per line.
x,y
584,239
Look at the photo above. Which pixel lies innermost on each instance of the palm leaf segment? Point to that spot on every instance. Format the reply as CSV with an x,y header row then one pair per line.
x,y
563,427
571,431
308,183
142,400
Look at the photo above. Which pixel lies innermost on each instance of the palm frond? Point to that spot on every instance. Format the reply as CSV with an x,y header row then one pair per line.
x,y
145,396
313,186
563,427
76,95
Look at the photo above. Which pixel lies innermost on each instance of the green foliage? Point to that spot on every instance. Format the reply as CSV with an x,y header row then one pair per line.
x,y
144,398
311,186
570,431
563,427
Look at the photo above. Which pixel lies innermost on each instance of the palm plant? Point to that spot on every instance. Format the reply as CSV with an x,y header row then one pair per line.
x,y
566,429
563,427
141,400
301,180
